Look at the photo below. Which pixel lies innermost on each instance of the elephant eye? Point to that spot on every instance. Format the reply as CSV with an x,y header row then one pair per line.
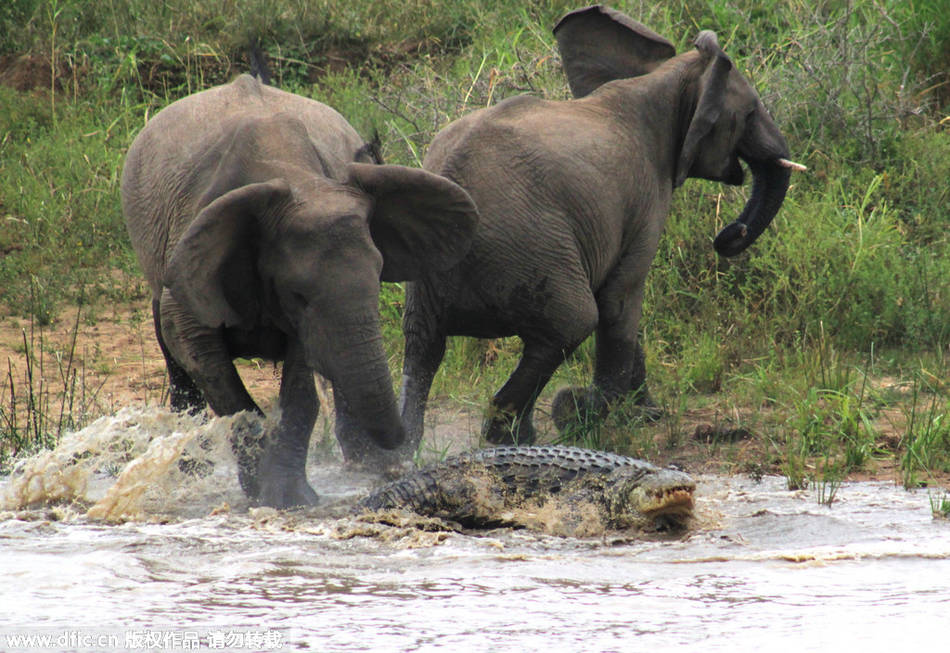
x,y
299,298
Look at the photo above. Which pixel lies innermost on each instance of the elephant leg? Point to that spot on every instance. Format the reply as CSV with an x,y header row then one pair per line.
x,y
509,420
568,318
282,474
620,365
417,376
425,333
619,368
204,357
183,393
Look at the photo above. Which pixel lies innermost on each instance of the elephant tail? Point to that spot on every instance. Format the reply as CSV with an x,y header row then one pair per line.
x,y
371,152
258,64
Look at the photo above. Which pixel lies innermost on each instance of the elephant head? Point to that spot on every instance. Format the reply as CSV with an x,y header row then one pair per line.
x,y
304,254
721,120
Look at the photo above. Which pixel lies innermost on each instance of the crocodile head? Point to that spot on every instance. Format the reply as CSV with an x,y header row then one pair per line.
x,y
658,497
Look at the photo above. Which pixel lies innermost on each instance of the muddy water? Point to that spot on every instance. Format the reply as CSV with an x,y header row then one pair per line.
x,y
173,553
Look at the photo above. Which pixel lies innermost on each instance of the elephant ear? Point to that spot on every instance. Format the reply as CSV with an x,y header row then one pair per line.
x,y
599,45
421,222
710,100
212,269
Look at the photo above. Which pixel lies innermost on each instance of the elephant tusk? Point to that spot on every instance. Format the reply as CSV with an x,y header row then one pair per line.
x,y
785,163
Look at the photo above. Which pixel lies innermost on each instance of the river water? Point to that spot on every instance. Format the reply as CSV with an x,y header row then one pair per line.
x,y
173,558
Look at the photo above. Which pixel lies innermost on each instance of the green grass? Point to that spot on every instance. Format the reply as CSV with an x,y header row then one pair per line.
x,y
927,438
940,506
790,340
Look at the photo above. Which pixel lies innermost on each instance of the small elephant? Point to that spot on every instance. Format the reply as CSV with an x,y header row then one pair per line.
x,y
264,229
573,196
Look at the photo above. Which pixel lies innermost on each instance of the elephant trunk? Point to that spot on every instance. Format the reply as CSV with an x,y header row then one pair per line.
x,y
764,149
362,383
770,181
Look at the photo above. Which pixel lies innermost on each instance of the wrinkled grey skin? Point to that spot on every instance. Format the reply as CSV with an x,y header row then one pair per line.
x,y
262,234
573,197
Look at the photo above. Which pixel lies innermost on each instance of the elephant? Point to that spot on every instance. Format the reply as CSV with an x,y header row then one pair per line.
x,y
573,196
264,228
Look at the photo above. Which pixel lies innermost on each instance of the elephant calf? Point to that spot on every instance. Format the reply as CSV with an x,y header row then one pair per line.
x,y
573,197
262,233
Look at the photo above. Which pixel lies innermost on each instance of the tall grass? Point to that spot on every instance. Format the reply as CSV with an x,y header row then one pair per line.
x,y
33,414
858,260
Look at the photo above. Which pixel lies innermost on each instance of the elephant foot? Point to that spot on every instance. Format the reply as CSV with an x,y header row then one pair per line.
x,y
576,410
647,409
248,442
287,492
282,479
504,428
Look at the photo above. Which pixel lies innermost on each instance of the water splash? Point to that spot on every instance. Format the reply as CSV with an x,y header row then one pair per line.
x,y
123,499
137,463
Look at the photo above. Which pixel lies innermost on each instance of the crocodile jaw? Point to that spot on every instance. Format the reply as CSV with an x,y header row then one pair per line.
x,y
670,501
662,494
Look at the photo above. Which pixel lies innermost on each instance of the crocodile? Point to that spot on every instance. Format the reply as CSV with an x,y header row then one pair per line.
x,y
583,490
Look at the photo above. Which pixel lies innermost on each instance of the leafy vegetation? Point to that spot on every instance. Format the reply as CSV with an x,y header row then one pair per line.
x,y
829,340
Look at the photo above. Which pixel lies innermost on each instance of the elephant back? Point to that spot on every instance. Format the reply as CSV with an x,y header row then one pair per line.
x,y
172,162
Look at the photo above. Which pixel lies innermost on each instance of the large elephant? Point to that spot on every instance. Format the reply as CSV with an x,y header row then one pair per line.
x,y
264,229
573,196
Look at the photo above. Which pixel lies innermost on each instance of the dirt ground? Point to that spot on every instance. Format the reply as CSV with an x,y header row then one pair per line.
x,y
112,353
107,358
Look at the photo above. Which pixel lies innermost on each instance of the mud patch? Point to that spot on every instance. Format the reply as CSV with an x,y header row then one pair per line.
x,y
554,516
402,529
396,528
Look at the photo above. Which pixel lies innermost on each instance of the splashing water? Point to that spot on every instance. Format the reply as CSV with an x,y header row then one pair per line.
x,y
133,464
